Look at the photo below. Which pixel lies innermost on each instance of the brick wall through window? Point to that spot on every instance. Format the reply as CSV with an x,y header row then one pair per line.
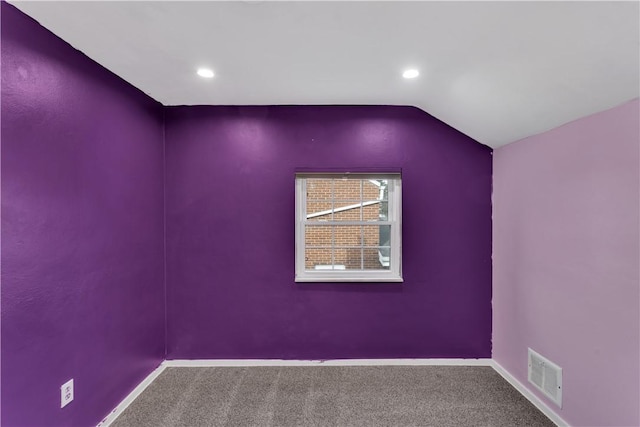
x,y
343,200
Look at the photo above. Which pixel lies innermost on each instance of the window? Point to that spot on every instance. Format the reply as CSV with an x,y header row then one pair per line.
x,y
348,227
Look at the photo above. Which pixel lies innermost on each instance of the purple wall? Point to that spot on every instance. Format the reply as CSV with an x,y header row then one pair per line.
x,y
230,236
82,231
566,262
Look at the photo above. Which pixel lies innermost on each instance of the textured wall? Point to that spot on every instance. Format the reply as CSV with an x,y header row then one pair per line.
x,y
566,262
230,266
82,231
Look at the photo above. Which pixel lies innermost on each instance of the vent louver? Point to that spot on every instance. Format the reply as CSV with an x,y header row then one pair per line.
x,y
546,376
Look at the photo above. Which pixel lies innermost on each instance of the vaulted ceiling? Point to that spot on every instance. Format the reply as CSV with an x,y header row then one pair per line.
x,y
496,71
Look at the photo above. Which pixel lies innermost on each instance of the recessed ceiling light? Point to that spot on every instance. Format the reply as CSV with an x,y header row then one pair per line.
x,y
205,72
411,74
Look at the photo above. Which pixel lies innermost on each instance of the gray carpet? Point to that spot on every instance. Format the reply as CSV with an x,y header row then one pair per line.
x,y
331,396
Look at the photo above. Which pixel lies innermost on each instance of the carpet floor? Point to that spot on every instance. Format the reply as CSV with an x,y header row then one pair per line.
x,y
340,396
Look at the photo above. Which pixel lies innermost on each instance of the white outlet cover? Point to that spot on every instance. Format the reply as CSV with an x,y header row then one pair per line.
x,y
66,393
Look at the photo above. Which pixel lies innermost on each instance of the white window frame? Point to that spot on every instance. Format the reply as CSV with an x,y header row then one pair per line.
x,y
394,220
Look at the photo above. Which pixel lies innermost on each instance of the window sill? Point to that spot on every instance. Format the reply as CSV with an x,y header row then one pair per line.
x,y
343,279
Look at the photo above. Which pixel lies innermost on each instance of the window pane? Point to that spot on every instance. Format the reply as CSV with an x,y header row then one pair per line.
x,y
376,259
347,211
384,211
316,235
319,189
376,212
383,190
319,211
370,190
348,235
346,189
376,235
351,258
316,259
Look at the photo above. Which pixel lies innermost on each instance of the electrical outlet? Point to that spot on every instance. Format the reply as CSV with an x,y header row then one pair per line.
x,y
66,393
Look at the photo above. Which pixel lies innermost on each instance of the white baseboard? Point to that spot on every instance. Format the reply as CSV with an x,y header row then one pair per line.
x,y
332,362
131,397
537,402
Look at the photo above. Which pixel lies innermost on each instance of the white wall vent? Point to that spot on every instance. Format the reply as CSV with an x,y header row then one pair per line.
x,y
546,376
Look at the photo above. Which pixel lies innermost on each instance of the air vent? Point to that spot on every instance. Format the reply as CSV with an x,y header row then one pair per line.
x,y
546,376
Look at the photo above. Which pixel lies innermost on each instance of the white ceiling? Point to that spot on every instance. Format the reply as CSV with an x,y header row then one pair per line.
x,y
497,71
